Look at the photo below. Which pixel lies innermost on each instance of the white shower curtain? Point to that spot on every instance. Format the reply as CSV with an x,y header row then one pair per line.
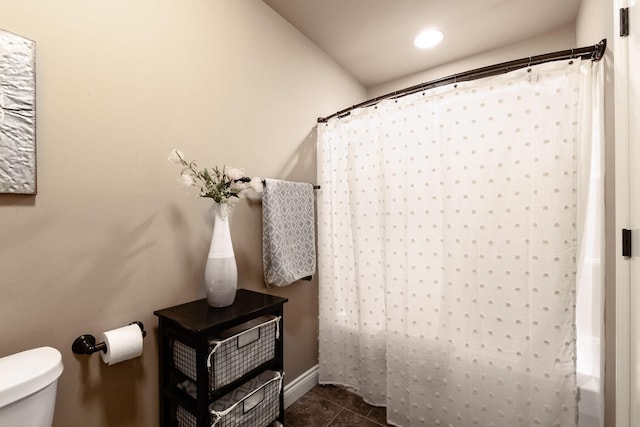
x,y
448,241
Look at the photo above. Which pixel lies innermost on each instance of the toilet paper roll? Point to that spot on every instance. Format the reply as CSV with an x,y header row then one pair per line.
x,y
122,344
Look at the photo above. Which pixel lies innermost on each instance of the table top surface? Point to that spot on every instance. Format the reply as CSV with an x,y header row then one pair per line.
x,y
199,316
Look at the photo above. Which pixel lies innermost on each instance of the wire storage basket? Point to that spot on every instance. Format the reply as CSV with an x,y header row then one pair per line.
x,y
255,403
232,354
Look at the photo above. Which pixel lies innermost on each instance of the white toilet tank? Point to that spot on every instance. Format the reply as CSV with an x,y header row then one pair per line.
x,y
28,383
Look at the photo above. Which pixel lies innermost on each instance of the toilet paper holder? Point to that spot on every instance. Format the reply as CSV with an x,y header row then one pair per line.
x,y
86,344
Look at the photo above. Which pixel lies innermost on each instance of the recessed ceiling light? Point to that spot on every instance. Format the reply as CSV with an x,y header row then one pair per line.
x,y
428,38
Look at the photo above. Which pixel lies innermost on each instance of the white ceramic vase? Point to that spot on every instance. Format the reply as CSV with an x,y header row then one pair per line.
x,y
221,270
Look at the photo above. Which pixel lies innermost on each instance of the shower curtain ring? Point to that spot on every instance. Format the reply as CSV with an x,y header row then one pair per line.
x,y
529,65
571,57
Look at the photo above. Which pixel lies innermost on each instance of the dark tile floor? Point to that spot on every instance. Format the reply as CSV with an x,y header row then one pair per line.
x,y
332,406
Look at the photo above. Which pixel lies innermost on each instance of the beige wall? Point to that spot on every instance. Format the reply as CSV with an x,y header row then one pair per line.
x,y
594,23
111,236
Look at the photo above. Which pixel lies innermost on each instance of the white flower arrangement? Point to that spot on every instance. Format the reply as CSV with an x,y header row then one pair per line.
x,y
225,185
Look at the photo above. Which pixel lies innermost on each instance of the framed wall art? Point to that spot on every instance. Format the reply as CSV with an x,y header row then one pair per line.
x,y
17,115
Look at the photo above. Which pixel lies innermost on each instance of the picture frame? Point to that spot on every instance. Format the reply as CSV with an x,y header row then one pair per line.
x,y
17,115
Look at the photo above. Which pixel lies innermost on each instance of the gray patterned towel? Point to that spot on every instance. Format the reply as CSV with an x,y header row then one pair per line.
x,y
288,232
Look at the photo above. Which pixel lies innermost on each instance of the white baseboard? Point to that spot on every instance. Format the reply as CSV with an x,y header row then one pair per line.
x,y
299,386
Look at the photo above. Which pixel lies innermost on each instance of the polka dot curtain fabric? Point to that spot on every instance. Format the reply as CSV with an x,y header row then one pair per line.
x,y
447,251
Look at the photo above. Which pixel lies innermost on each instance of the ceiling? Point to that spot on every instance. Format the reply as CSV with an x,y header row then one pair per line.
x,y
373,39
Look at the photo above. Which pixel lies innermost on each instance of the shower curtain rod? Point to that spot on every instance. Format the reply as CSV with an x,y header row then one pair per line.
x,y
595,53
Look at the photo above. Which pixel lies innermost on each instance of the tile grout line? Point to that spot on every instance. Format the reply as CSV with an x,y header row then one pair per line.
x,y
361,416
342,408
335,416
374,421
366,417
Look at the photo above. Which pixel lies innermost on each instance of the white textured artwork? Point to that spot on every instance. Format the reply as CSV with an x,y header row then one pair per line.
x,y
17,115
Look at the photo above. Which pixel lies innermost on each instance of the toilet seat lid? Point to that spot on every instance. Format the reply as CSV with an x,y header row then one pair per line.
x,y
28,372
